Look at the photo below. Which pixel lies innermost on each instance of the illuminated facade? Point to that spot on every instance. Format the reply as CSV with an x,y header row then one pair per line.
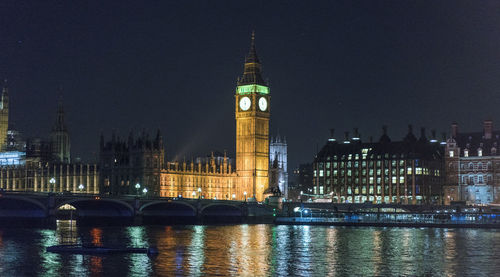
x,y
473,166
278,164
4,117
49,177
352,171
252,110
214,179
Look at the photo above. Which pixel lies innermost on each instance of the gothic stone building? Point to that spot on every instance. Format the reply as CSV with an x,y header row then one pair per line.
x,y
124,165
278,174
473,166
351,171
44,166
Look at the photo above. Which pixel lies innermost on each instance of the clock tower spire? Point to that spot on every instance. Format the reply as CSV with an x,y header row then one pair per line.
x,y
252,112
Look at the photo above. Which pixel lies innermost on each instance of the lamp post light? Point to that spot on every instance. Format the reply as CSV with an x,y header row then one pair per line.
x,y
193,194
199,193
234,196
145,190
137,187
52,182
301,192
245,194
81,187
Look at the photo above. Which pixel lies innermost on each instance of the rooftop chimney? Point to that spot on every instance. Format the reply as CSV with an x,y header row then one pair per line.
x,y
346,138
454,130
488,129
332,132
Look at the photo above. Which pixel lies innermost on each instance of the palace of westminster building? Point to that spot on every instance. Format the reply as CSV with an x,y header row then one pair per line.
x,y
137,165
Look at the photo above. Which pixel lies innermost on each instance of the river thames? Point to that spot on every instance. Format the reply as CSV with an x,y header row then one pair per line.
x,y
255,250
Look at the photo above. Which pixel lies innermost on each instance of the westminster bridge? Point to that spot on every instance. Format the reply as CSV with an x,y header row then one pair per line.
x,y
126,209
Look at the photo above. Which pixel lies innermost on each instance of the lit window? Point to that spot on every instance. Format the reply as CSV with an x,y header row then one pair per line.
x,y
409,170
401,180
394,180
321,173
466,153
451,154
418,171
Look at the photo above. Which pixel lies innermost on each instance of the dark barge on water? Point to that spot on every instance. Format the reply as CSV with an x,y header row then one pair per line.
x,y
98,250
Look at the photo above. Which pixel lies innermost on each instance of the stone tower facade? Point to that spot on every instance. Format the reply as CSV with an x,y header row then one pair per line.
x,y
4,118
59,138
125,163
278,163
252,112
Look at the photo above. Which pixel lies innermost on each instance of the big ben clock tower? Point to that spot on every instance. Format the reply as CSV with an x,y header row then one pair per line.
x,y
252,129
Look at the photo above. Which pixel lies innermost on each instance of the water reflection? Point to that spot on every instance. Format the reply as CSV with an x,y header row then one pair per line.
x,y
257,250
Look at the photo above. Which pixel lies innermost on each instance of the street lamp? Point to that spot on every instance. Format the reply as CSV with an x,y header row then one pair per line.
x,y
81,187
145,190
245,194
199,193
193,194
301,192
234,196
52,182
137,187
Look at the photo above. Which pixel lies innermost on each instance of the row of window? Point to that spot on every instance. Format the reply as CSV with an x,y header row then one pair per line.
x,y
476,179
467,152
364,155
371,172
366,190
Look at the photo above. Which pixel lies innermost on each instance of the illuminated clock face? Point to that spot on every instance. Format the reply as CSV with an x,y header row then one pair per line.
x,y
262,104
245,103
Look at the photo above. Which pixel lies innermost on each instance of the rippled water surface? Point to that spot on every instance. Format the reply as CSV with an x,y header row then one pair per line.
x,y
255,250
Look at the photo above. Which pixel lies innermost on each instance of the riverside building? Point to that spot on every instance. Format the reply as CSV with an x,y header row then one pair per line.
x,y
352,171
473,166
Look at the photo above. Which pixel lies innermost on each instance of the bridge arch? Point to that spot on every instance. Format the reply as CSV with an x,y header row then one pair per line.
x,y
168,212
160,202
101,207
20,206
221,209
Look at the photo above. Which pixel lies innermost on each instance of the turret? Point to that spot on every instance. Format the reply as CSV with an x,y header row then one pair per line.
x,y
59,137
4,116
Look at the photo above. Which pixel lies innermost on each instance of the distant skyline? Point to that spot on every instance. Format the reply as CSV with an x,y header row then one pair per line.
x,y
127,65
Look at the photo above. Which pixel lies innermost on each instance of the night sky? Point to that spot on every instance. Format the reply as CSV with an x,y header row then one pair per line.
x,y
173,65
